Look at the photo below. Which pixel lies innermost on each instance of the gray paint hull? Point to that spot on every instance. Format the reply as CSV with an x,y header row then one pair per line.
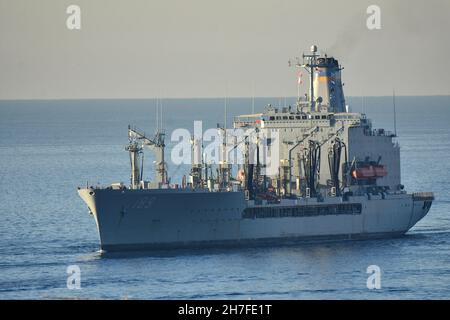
x,y
158,219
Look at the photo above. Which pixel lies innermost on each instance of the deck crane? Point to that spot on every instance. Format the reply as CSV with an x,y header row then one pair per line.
x,y
156,145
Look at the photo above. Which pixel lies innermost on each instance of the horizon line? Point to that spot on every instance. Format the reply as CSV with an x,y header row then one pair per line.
x,y
206,98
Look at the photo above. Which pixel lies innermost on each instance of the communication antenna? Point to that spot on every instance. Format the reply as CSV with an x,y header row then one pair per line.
x,y
161,113
253,104
225,110
156,119
395,113
363,105
253,98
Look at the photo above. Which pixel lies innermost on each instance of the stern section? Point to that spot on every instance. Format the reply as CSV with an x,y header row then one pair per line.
x,y
421,205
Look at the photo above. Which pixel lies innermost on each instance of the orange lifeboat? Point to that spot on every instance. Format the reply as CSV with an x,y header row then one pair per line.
x,y
363,173
368,172
380,171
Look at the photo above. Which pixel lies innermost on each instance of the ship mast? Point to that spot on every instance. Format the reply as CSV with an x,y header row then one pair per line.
x,y
309,63
309,66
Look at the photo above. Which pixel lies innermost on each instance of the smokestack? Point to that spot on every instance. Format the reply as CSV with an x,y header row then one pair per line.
x,y
328,85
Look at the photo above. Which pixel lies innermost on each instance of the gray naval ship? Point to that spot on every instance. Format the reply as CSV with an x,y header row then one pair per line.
x,y
334,177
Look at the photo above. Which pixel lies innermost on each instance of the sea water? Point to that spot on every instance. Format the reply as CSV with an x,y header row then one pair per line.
x,y
48,148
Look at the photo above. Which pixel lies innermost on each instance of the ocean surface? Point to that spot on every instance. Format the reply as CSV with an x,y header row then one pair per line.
x,y
48,148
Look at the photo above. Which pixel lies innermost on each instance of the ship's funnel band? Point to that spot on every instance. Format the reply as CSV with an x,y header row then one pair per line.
x,y
328,84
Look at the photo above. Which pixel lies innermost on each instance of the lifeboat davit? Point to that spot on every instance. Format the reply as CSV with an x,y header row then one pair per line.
x,y
368,172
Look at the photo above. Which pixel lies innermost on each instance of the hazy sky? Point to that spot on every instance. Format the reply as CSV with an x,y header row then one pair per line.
x,y
209,48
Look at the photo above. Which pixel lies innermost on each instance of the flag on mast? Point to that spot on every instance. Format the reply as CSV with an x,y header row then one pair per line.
x,y
299,78
299,83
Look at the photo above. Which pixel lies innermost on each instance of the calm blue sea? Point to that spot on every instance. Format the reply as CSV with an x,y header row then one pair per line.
x,y
48,148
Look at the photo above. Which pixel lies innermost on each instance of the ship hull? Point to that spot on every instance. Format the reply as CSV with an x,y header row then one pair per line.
x,y
162,219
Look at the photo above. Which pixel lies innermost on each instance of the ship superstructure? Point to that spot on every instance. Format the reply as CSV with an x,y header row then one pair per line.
x,y
331,175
